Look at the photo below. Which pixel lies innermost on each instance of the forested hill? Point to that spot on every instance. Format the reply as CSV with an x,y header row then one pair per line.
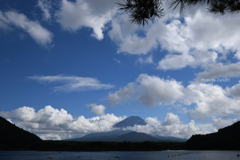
x,y
15,138
227,138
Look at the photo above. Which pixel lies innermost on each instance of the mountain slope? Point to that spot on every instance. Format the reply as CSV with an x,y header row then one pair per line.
x,y
227,138
101,136
130,121
116,136
136,137
170,139
12,137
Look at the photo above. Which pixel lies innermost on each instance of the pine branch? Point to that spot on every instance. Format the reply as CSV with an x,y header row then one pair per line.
x,y
140,11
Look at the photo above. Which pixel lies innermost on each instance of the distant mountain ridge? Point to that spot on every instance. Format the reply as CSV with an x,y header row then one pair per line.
x,y
136,137
126,135
170,139
13,137
101,136
227,138
130,121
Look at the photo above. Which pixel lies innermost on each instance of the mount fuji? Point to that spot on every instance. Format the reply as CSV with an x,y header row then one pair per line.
x,y
120,134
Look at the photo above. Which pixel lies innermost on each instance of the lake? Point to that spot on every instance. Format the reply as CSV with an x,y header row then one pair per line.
x,y
153,155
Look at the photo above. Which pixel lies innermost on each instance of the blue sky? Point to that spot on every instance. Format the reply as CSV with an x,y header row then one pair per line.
x,y
69,68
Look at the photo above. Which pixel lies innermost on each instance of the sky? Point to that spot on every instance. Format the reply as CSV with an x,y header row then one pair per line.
x,y
73,67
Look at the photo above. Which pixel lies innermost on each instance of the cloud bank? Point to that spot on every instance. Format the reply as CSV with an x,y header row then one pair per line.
x,y
149,90
198,37
51,123
209,100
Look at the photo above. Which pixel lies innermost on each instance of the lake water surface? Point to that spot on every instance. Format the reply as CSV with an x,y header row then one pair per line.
x,y
154,155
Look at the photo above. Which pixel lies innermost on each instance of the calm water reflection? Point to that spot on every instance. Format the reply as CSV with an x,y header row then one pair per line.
x,y
161,155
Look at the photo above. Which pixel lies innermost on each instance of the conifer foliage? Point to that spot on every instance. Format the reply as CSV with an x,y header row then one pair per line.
x,y
141,11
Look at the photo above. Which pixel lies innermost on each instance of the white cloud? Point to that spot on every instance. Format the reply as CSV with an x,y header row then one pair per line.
x,y
97,109
149,90
211,100
147,60
72,83
172,37
210,31
45,6
199,38
171,119
126,36
122,95
175,61
192,59
4,22
50,136
86,13
219,70
202,31
40,34
234,91
172,126
56,124
52,123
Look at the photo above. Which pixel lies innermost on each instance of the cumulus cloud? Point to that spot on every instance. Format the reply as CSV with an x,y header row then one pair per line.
x,y
50,122
210,31
72,83
125,35
97,109
149,90
172,126
172,37
204,31
211,100
86,13
122,95
175,61
219,70
40,34
196,38
192,59
171,119
234,91
45,6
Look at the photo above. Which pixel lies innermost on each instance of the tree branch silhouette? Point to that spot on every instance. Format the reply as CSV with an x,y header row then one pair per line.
x,y
141,11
